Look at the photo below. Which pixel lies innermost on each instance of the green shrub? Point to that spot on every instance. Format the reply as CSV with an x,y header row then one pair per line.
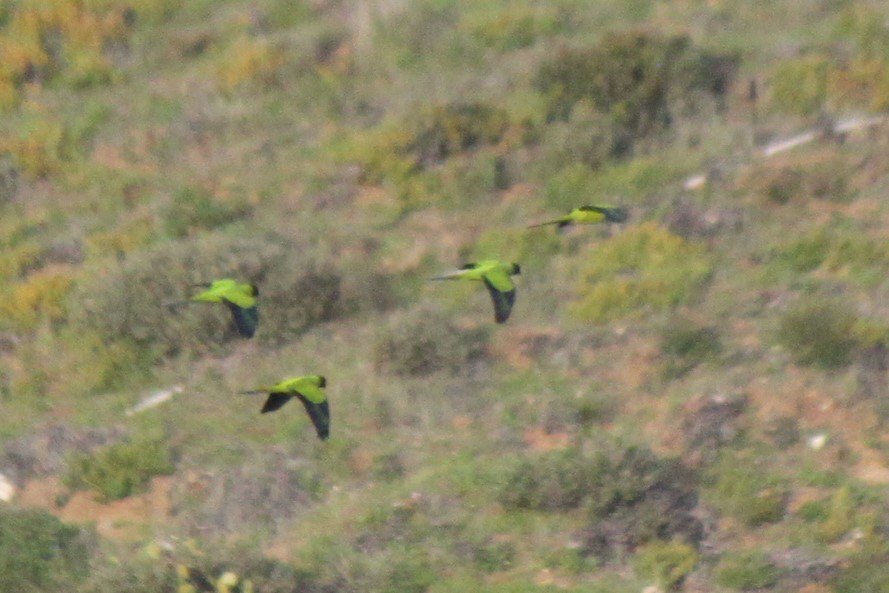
x,y
645,268
142,302
819,332
493,555
551,481
205,566
587,138
742,488
408,569
194,209
807,252
746,571
397,150
685,344
122,469
799,85
424,342
511,28
634,78
40,553
667,563
865,572
840,515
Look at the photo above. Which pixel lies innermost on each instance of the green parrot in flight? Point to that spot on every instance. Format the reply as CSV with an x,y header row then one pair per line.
x,y
309,390
239,298
588,215
496,276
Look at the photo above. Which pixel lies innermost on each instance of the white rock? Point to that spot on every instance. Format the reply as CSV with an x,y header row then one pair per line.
x,y
817,441
7,489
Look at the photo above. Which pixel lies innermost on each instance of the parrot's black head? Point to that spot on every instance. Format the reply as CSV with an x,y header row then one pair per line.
x,y
516,269
254,290
322,381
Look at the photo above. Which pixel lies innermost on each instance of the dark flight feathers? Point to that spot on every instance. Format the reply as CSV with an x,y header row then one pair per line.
x,y
319,413
246,319
503,302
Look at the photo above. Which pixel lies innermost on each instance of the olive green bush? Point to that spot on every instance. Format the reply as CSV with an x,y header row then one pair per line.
x,y
142,302
423,342
40,553
746,571
121,469
685,344
635,78
193,208
818,331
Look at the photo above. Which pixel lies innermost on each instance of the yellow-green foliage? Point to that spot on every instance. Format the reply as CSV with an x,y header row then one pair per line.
x,y
666,562
512,27
745,571
249,60
15,260
643,268
125,238
66,38
840,515
39,296
864,82
799,85
122,469
395,150
37,148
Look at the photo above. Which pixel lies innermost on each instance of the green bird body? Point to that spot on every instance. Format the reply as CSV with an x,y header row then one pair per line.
x,y
309,390
240,299
588,215
496,276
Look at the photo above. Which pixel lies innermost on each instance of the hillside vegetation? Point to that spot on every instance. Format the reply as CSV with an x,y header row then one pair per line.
x,y
693,400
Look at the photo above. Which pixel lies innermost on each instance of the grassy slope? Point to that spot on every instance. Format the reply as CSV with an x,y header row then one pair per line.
x,y
264,110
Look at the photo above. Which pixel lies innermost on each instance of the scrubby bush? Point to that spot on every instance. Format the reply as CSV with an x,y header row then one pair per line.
x,y
64,40
645,268
746,571
250,60
513,27
552,481
423,342
807,252
742,488
493,555
864,572
819,331
667,563
40,553
799,85
259,493
408,569
211,566
121,469
142,301
634,78
39,297
686,344
397,150
194,209
632,496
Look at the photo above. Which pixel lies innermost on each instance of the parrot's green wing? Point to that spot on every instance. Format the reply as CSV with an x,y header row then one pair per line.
x,y
319,414
606,213
498,277
243,295
275,401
